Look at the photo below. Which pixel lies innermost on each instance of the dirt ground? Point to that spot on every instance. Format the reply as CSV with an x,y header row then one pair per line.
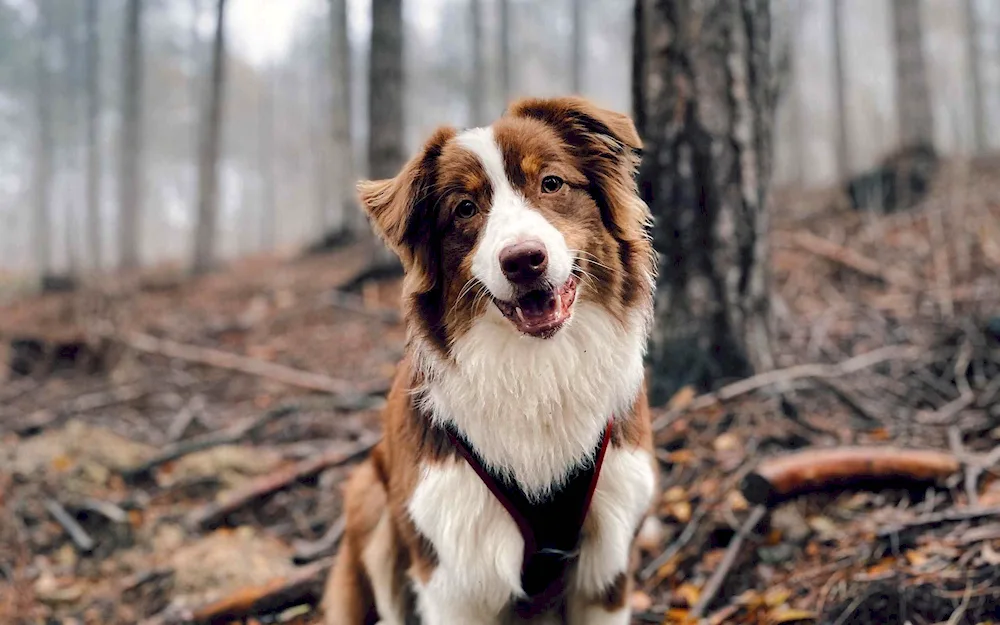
x,y
171,449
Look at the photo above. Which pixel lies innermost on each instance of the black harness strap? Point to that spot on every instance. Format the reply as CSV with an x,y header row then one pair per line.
x,y
551,527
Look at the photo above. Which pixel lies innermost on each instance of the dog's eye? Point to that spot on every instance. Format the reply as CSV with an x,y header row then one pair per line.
x,y
551,184
466,210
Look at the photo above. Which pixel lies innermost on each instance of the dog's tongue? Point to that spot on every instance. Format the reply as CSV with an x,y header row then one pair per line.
x,y
538,305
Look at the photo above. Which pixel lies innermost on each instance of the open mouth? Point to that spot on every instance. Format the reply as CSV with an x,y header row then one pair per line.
x,y
541,312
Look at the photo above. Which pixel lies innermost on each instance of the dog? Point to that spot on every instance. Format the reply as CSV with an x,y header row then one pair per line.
x,y
516,463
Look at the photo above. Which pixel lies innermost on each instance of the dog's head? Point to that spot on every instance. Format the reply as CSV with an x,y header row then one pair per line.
x,y
519,222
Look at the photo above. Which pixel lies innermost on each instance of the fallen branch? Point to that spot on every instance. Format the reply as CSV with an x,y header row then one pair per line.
x,y
797,372
846,257
76,533
213,513
685,537
252,366
714,583
810,469
208,441
304,585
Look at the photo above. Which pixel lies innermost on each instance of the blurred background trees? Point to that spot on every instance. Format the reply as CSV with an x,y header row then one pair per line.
x,y
109,109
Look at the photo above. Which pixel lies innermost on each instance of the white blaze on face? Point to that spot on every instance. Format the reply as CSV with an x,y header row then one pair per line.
x,y
510,220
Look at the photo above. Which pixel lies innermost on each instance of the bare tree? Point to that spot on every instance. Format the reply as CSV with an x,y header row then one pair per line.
x,y
704,104
505,54
477,88
93,62
341,120
265,159
43,160
130,158
839,88
975,77
577,37
913,99
208,154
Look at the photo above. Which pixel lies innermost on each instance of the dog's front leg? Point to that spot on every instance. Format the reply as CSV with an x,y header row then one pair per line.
x,y
477,548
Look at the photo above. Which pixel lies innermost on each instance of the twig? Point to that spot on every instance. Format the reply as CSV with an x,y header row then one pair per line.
x,y
714,583
956,617
950,516
214,512
307,551
244,364
797,372
208,441
77,534
685,537
303,584
777,478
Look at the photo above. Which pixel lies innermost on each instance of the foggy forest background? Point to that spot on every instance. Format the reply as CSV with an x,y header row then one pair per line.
x,y
281,154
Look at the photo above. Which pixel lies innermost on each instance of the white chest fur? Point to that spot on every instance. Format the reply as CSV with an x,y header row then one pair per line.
x,y
535,408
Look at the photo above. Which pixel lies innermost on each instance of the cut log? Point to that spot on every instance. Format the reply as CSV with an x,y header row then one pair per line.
x,y
811,469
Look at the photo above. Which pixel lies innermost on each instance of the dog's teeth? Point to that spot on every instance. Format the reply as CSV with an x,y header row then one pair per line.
x,y
520,315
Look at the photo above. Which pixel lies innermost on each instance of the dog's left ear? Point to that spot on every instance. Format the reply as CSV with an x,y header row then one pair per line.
x,y
608,148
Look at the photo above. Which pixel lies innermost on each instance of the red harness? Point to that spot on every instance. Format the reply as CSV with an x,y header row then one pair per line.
x,y
551,527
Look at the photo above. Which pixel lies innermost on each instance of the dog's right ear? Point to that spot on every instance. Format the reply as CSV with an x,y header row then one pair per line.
x,y
398,207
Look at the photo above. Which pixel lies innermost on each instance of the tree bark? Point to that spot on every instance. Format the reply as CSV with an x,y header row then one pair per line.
x,y
506,75
43,161
265,160
93,60
840,87
477,86
705,103
386,153
577,37
341,120
979,138
130,170
913,99
208,175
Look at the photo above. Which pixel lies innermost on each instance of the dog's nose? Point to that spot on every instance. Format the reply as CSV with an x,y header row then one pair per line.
x,y
524,262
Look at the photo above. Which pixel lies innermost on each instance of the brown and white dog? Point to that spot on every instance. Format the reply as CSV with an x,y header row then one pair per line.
x,y
528,296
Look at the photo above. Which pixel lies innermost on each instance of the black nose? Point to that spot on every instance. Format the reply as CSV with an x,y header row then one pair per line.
x,y
524,263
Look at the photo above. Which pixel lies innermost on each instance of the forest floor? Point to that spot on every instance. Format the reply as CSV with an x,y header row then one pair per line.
x,y
175,452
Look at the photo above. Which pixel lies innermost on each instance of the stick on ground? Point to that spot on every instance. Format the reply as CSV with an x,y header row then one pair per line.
x,y
76,533
817,469
798,372
714,583
215,512
251,366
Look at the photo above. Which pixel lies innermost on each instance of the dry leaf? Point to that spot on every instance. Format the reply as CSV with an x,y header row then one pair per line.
x,y
790,615
675,494
777,596
682,456
726,442
688,593
641,601
682,398
916,558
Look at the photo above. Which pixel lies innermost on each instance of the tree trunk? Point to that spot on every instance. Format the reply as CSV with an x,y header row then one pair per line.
x,y
913,99
386,153
705,103
43,162
265,159
208,160
93,61
577,37
979,138
130,173
477,86
839,88
341,121
506,76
